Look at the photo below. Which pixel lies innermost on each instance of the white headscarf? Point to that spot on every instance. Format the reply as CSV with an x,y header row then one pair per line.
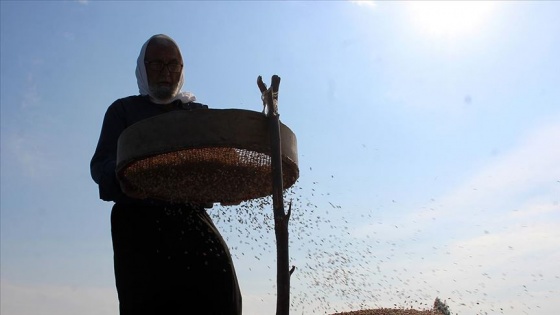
x,y
142,77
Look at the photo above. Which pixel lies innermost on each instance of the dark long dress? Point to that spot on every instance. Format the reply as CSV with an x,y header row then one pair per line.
x,y
168,258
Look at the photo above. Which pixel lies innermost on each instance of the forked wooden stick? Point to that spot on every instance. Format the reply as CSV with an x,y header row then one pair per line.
x,y
281,218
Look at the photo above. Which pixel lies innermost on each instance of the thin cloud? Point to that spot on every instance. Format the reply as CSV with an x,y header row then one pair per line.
x,y
29,154
492,266
497,225
365,3
480,244
528,170
31,96
519,185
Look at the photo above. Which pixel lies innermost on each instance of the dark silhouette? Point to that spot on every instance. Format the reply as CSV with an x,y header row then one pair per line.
x,y
168,258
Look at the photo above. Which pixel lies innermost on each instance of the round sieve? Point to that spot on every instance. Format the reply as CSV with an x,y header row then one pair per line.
x,y
203,155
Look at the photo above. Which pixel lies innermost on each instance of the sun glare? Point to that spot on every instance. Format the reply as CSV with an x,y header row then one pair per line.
x,y
449,18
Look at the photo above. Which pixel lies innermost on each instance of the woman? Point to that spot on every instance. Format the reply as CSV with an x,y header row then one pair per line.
x,y
168,258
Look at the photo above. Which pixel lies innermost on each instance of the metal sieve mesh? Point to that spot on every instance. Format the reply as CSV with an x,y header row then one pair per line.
x,y
229,165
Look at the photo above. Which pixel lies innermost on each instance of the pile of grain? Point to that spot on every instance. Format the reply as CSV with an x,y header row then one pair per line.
x,y
439,308
390,311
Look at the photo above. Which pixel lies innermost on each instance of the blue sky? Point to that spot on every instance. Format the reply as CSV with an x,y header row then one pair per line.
x,y
427,136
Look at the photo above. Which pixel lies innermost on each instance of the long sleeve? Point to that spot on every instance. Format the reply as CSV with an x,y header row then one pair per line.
x,y
103,162
121,114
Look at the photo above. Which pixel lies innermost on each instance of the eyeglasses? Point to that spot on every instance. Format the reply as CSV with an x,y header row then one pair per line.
x,y
158,66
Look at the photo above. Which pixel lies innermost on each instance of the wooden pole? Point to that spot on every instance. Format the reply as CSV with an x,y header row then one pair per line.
x,y
281,218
